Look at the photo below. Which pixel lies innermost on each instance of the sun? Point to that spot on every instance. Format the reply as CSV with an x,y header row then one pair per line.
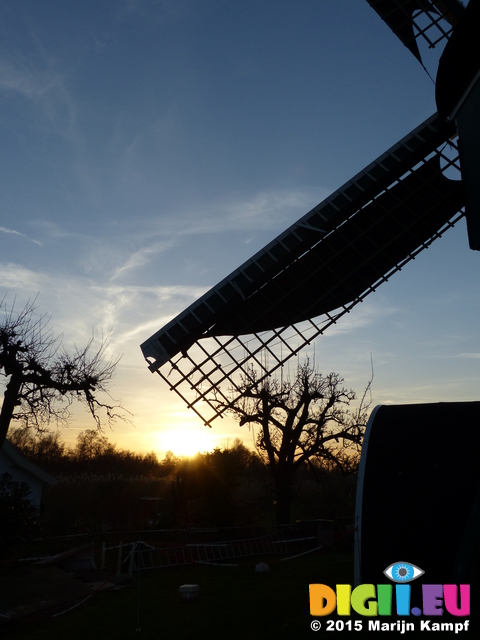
x,y
185,442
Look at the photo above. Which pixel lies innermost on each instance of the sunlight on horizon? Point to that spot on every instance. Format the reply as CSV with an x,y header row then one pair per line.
x,y
186,442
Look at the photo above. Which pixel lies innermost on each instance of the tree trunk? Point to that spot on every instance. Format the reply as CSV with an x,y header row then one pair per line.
x,y
10,399
284,500
282,513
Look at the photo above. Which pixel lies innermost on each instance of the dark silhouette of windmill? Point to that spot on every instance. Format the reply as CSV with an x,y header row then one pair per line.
x,y
305,280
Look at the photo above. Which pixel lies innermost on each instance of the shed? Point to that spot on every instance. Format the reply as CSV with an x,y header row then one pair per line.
x,y
22,470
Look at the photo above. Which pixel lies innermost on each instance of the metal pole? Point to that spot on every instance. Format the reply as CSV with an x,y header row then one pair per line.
x,y
138,629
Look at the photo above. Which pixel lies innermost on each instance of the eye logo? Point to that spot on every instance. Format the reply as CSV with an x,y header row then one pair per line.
x,y
402,572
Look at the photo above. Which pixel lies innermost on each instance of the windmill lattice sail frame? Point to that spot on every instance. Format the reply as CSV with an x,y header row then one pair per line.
x,y
331,259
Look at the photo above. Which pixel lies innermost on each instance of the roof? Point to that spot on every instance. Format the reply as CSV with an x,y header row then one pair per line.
x,y
17,460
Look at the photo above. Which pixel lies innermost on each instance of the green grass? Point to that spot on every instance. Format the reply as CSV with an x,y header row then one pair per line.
x,y
234,603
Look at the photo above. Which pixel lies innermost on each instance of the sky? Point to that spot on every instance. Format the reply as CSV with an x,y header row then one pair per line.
x,y
149,147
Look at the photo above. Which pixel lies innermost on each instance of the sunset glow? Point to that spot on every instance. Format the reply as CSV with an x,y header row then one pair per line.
x,y
150,148
186,442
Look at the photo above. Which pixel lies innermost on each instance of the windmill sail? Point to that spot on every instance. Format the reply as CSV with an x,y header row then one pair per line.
x,y
315,271
275,304
402,16
334,253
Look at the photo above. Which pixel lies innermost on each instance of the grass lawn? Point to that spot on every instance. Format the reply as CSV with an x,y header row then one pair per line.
x,y
234,603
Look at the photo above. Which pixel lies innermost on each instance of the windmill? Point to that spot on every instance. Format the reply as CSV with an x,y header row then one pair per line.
x,y
306,279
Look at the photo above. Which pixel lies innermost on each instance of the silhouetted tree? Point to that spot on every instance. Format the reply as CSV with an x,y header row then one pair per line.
x,y
204,486
170,463
299,420
19,521
92,444
42,379
45,449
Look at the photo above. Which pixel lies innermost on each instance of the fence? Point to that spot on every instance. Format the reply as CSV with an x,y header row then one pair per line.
x,y
140,555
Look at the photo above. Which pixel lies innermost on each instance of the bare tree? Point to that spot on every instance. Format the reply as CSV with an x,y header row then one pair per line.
x,y
300,420
42,380
46,448
91,444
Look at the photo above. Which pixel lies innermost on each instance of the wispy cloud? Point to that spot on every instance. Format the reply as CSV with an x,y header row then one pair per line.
x,y
50,229
140,258
17,233
372,310
22,78
82,308
37,80
265,210
16,278
162,239
78,304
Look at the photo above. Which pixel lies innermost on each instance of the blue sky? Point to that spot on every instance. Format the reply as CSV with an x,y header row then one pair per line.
x,y
147,148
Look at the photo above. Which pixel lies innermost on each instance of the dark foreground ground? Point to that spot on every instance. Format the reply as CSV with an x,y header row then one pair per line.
x,y
233,603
